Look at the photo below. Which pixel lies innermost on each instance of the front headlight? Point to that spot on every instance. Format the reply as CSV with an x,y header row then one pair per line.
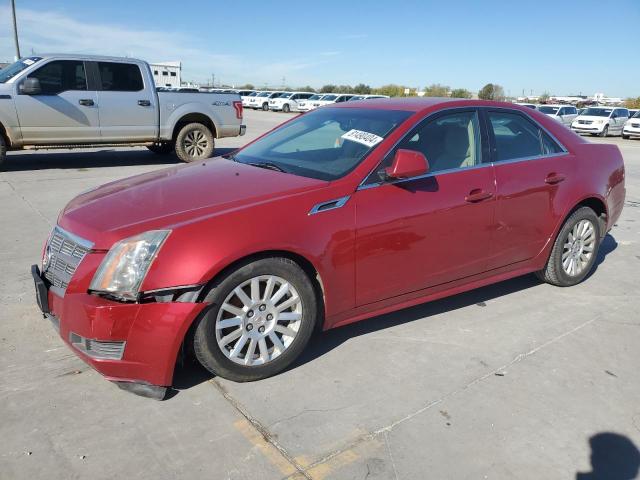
x,y
123,269
599,121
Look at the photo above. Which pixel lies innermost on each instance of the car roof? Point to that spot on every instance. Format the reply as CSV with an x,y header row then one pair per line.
x,y
83,56
419,104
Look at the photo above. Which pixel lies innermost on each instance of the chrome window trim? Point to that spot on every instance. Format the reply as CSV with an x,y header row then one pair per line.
x,y
339,203
363,186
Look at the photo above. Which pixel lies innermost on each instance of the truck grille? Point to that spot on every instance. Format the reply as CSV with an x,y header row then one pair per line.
x,y
63,254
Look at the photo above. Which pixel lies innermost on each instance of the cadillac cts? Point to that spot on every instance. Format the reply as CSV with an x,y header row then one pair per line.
x,y
338,215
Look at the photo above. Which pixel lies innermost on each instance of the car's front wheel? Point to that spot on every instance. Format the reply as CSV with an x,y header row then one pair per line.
x,y
605,131
194,142
286,108
575,250
261,317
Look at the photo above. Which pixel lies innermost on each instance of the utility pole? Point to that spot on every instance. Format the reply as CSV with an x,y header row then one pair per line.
x,y
15,28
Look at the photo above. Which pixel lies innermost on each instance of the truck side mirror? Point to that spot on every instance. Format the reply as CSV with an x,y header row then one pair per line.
x,y
31,86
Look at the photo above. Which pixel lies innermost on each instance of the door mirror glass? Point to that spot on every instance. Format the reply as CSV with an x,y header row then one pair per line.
x,y
31,86
407,164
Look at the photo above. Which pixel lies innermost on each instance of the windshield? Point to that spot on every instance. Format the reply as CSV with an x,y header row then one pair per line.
x,y
264,94
12,70
284,95
315,97
325,144
356,97
253,94
549,110
636,115
329,97
597,112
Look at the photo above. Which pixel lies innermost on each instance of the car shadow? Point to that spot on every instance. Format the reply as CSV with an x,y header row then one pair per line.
x,y
19,161
190,373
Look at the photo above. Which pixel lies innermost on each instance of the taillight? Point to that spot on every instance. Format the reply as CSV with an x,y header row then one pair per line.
x,y
238,107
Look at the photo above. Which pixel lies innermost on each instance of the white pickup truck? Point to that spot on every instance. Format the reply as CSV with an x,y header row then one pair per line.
x,y
67,101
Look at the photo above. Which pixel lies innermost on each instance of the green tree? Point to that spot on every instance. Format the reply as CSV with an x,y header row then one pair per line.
x,y
461,93
344,89
307,88
632,102
330,88
436,90
544,98
247,86
391,90
491,91
362,89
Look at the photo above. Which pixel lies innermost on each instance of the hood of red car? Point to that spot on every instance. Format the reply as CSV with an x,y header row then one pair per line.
x,y
169,197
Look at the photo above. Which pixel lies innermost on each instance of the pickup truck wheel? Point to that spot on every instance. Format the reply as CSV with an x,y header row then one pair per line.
x,y
3,154
161,148
194,142
575,250
260,319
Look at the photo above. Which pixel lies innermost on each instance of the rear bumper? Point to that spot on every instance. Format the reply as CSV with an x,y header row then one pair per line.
x,y
151,334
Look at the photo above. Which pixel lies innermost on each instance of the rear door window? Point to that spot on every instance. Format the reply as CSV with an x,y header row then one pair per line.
x,y
517,137
120,77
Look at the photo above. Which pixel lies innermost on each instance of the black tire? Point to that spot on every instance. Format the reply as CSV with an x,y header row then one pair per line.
x,y
186,151
625,137
553,272
605,131
161,148
3,154
206,347
265,107
286,108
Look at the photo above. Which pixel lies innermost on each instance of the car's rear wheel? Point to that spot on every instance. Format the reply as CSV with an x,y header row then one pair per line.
x,y
161,148
194,142
625,137
261,317
605,131
574,251
286,108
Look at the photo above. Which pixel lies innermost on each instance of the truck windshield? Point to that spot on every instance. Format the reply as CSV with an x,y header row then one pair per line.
x,y
325,144
12,70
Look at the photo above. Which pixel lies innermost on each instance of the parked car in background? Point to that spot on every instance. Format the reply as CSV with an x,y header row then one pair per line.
x,y
633,111
533,106
245,94
564,114
58,101
198,266
262,102
331,98
246,100
366,97
288,101
259,99
602,121
632,126
308,104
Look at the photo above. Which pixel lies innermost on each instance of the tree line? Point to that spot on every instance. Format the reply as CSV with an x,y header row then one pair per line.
x,y
490,91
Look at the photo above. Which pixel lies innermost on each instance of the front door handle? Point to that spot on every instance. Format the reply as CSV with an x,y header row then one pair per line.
x,y
144,103
86,102
477,195
554,178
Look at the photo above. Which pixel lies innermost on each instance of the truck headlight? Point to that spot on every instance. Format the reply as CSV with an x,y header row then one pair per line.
x,y
123,269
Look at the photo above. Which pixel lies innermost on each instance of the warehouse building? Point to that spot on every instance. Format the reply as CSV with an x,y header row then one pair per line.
x,y
167,74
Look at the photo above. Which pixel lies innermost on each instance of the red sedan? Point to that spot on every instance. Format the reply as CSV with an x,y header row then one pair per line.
x,y
338,215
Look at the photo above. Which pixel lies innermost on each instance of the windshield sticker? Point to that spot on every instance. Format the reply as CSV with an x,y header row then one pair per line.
x,y
28,61
365,138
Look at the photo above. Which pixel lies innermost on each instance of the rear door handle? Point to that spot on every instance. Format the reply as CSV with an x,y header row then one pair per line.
x,y
477,195
554,178
87,102
144,103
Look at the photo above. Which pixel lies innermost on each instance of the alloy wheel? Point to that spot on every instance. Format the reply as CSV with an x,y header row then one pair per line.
x,y
578,248
258,320
195,143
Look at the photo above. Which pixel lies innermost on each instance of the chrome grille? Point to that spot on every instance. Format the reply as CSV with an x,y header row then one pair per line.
x,y
63,254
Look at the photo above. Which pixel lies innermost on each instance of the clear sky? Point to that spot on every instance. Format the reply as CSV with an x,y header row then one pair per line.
x,y
560,46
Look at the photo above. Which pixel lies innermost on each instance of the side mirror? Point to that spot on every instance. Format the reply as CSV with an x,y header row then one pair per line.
x,y
31,86
407,164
